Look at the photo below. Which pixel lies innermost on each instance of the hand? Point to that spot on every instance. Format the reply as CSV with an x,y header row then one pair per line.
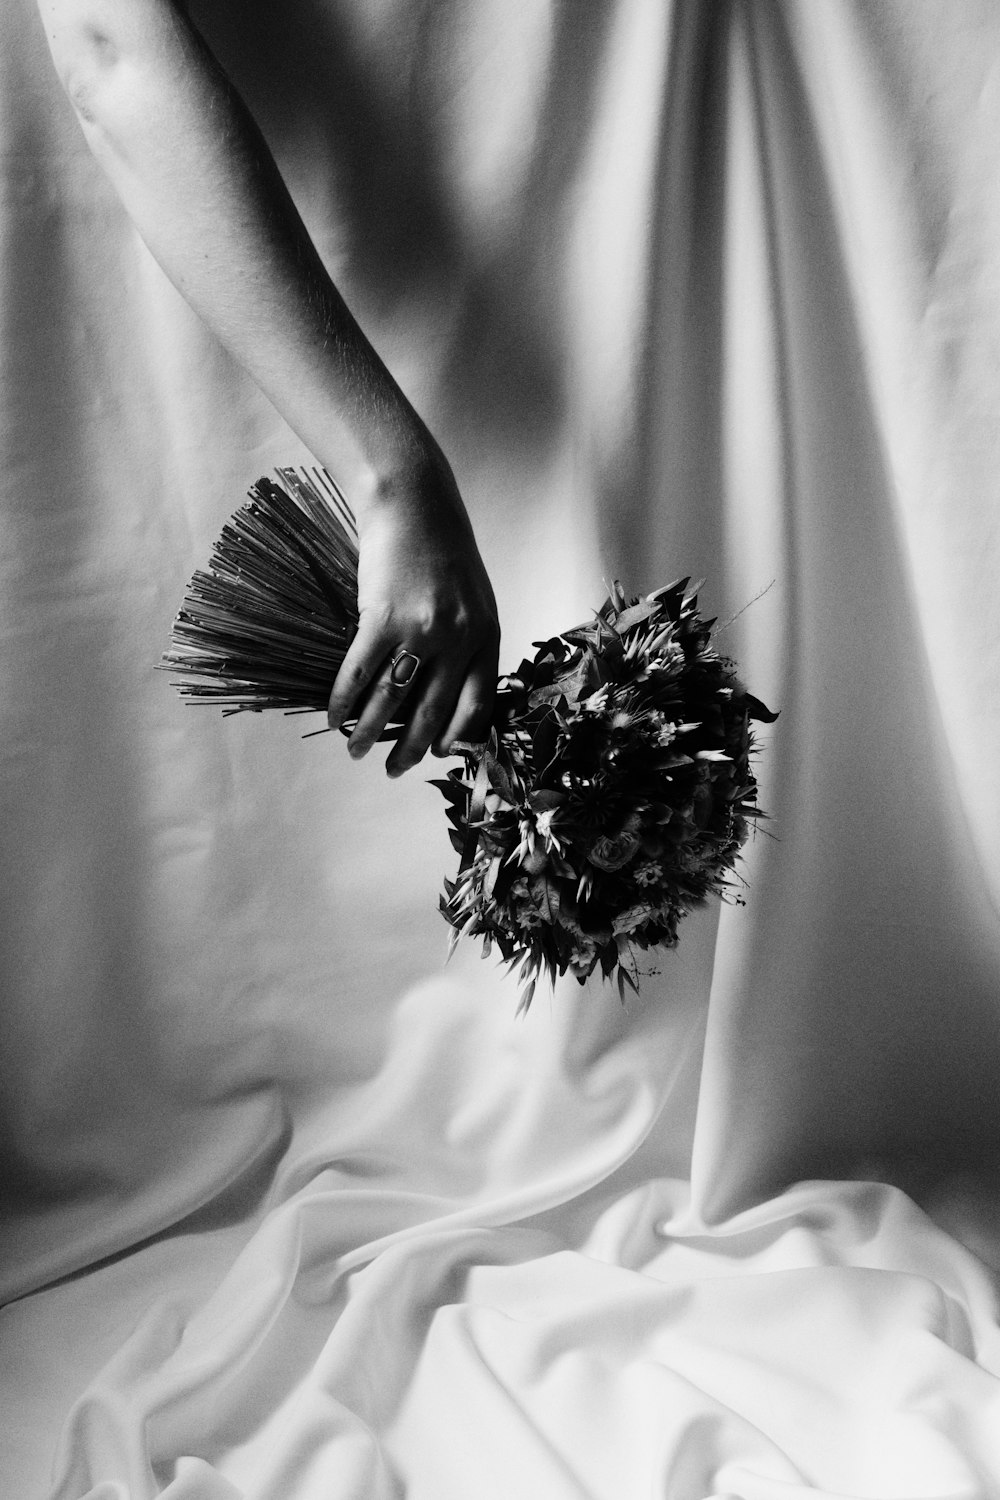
x,y
422,591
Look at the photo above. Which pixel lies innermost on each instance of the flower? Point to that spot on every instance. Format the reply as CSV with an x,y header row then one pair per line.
x,y
582,957
543,824
620,759
612,851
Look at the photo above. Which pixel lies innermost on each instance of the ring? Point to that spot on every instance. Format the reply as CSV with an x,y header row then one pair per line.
x,y
404,659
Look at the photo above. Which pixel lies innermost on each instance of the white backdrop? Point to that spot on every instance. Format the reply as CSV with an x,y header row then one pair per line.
x,y
683,288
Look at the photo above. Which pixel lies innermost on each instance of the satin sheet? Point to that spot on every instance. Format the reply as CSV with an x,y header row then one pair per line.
x,y
291,1209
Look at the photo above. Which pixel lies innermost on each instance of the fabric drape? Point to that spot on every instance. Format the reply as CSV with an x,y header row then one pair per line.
x,y
292,1208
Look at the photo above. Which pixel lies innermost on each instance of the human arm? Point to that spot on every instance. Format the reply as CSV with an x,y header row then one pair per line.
x,y
202,188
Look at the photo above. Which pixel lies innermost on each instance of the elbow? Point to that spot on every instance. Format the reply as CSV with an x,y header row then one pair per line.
x,y
86,58
113,56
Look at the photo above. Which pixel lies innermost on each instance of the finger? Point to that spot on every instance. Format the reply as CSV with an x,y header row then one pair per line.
x,y
384,699
473,711
364,660
431,707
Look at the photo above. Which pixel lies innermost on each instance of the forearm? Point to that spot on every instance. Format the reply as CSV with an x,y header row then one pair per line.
x,y
202,188
203,191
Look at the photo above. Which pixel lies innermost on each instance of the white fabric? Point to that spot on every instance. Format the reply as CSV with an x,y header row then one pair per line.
x,y
292,1210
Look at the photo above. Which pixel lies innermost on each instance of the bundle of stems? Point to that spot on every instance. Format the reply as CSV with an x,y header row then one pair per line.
x,y
268,624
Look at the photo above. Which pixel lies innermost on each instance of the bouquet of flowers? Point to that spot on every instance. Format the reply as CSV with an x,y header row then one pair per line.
x,y
615,790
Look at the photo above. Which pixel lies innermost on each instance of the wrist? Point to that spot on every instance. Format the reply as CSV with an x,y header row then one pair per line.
x,y
410,472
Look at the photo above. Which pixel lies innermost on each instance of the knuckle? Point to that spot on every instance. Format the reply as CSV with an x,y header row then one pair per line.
x,y
463,631
455,629
427,618
418,622
454,623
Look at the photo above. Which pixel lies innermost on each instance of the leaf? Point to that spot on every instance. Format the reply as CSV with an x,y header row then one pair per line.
x,y
500,780
548,693
544,742
546,894
546,798
758,710
504,879
582,680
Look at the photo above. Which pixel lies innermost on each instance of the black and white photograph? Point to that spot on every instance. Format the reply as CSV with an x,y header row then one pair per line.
x,y
500,750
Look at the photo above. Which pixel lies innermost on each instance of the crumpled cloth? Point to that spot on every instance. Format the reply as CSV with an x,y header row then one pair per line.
x,y
289,1207
830,1342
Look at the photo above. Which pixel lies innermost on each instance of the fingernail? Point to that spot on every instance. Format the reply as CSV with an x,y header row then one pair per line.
x,y
356,751
394,771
